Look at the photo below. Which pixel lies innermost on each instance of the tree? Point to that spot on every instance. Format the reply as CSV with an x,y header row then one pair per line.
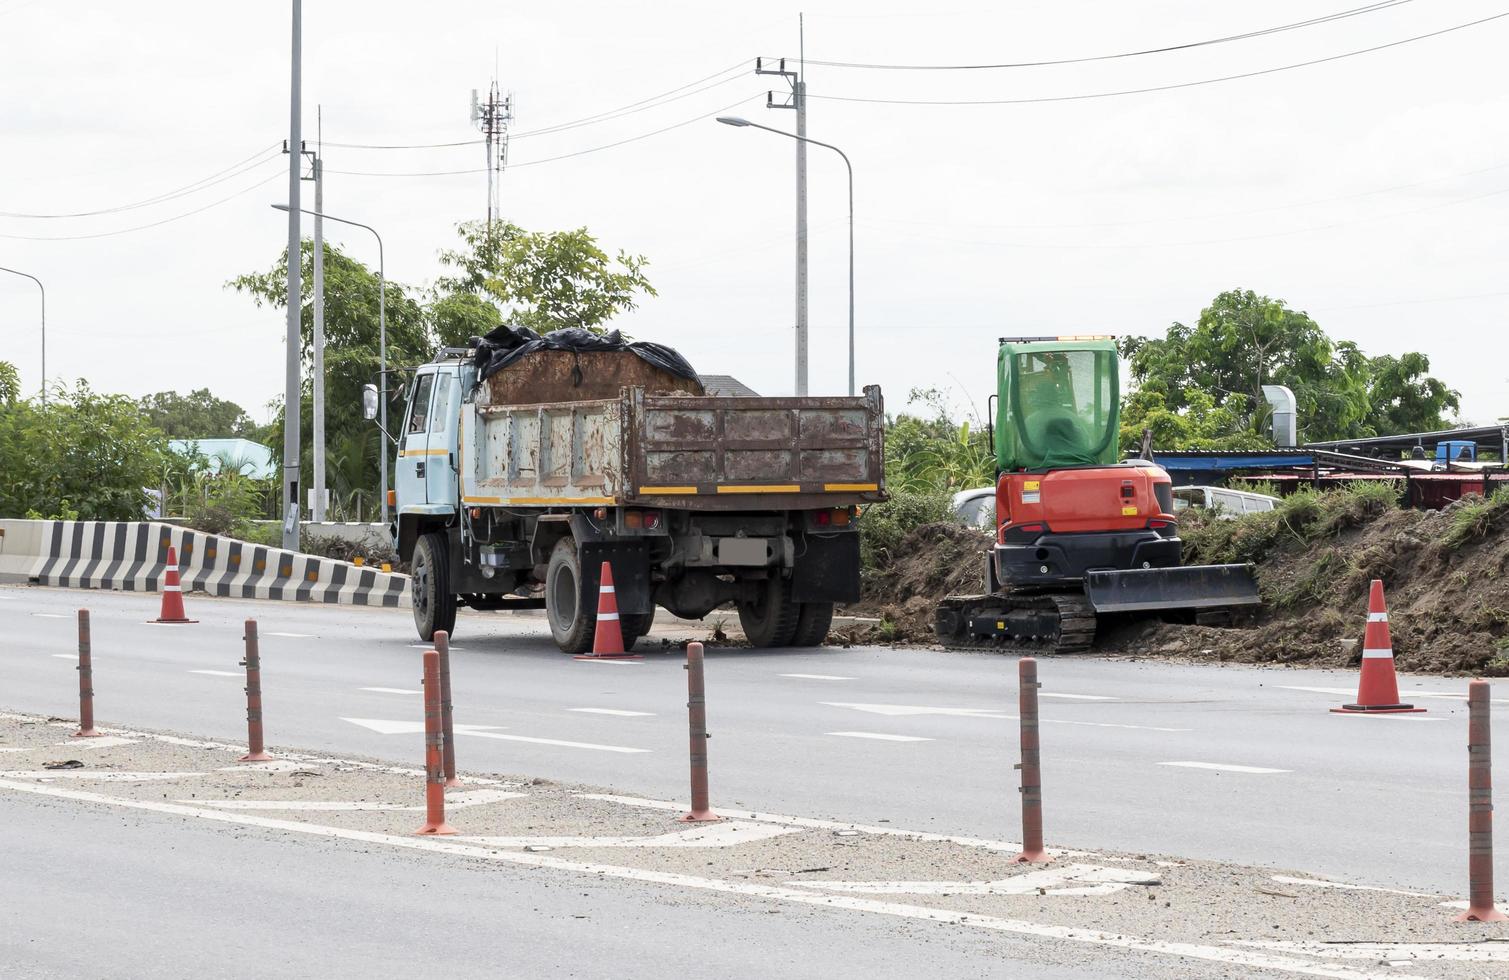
x,y
10,383
197,415
112,454
1203,423
543,280
1244,341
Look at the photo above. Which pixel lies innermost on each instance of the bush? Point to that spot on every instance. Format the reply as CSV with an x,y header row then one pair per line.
x,y
1474,517
225,504
882,526
1304,515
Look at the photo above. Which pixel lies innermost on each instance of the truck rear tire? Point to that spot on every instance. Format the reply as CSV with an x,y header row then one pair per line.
x,y
572,615
812,624
635,626
770,620
430,584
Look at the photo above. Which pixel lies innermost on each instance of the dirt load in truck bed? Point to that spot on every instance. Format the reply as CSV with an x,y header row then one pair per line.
x,y
1444,575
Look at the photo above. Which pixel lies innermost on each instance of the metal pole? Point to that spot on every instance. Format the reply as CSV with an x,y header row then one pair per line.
x,y
801,237
86,680
27,275
255,750
1031,767
319,340
291,390
696,717
851,271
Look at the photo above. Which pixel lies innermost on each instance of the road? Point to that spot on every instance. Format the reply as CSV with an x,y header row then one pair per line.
x,y
924,740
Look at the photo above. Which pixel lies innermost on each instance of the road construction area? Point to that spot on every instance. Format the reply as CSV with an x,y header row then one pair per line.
x,y
1204,819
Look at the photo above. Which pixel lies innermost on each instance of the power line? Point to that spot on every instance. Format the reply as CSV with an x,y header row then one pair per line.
x,y
563,156
1163,88
401,146
154,224
220,176
1297,25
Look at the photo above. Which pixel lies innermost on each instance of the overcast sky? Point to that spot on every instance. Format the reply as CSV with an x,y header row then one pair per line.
x,y
1370,191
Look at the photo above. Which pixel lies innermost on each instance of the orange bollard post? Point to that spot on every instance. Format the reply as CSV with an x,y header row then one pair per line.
x,y
447,719
1031,767
1480,907
86,680
255,750
696,716
434,774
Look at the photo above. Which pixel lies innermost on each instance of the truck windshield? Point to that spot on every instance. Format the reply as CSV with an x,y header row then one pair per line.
x,y
1064,404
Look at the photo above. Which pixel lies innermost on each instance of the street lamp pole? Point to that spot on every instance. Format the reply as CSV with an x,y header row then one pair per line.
x,y
739,121
28,275
382,338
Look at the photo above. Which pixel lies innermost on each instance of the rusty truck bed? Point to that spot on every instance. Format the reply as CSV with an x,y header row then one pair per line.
x,y
678,451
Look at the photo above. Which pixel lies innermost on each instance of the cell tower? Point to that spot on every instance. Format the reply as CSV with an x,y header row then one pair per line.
x,y
493,118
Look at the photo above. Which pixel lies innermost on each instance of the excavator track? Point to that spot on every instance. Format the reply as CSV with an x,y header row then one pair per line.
x,y
1049,623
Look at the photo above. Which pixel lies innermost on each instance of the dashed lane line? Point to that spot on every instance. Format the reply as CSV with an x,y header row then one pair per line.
x,y
1352,691
1254,958
1224,767
913,710
615,712
219,673
64,656
593,746
390,690
881,736
292,636
817,677
50,615
1076,697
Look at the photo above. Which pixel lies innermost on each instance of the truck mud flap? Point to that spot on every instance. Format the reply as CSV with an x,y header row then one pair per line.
x,y
1190,587
631,573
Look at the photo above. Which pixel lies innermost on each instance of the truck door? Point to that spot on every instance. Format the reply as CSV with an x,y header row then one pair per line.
x,y
410,477
440,458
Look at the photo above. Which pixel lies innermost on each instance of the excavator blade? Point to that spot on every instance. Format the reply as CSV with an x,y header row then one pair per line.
x,y
1190,587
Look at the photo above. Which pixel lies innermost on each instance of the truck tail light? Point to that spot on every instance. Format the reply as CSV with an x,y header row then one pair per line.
x,y
823,517
651,520
838,517
648,520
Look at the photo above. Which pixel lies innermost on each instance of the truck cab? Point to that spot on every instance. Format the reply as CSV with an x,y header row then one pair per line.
x,y
426,475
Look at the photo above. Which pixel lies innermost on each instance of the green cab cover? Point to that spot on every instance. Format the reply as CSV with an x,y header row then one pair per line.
x,y
1058,404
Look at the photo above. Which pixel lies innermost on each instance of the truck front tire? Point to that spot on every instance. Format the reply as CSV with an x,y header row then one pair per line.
x,y
434,602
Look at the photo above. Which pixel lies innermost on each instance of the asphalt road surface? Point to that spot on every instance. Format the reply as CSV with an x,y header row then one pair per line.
x,y
1219,762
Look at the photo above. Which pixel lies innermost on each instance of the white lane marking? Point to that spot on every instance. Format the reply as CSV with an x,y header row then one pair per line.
x,y
13,748
270,765
615,712
1223,767
880,736
219,673
387,726
1076,697
65,656
817,677
431,646
103,742
49,615
108,775
292,636
911,710
1094,937
390,690
726,834
1286,880
1352,691
554,741
616,661
1069,879
1487,950
452,801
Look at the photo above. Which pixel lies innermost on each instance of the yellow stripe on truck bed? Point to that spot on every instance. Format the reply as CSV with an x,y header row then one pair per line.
x,y
667,490
773,488
537,501
849,487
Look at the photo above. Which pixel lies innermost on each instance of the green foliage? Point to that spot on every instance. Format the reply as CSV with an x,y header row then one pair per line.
x,y
197,415
1473,518
458,317
1303,516
1205,382
10,383
85,455
882,526
227,503
544,280
935,454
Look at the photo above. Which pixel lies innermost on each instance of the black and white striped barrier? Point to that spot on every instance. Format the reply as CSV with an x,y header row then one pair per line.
x,y
132,556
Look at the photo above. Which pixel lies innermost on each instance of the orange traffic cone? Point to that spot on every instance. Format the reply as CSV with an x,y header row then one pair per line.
x,y
1378,687
608,639
172,594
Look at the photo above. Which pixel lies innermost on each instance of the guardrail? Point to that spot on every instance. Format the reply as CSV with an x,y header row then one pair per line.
x,y
132,556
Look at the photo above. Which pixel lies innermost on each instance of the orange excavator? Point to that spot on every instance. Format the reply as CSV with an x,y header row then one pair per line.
x,y
1080,536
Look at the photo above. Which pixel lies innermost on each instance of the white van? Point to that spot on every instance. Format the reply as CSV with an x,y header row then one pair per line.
x,y
1226,502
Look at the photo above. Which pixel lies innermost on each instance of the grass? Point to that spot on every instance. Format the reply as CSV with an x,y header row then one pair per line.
x,y
1473,519
1303,517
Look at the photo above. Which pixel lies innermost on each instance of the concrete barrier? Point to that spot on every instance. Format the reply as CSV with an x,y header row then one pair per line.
x,y
132,556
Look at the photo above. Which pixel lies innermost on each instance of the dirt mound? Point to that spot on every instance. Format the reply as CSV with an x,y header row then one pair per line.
x,y
1443,575
932,561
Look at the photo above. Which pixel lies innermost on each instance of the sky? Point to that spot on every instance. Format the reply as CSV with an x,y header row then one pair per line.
x,y
1371,191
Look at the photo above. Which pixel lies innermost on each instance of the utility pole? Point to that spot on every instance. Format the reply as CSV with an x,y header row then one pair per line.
x,y
796,99
317,422
493,118
292,388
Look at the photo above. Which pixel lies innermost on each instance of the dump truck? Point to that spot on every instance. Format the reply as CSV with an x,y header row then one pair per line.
x,y
515,483
1079,535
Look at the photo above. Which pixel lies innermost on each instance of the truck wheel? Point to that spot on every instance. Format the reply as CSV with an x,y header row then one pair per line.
x,y
635,626
770,620
812,624
430,584
572,615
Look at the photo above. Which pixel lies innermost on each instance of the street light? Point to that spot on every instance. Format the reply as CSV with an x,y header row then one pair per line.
x,y
382,341
28,275
740,121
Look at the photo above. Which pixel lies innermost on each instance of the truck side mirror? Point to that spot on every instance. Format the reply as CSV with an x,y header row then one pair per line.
x,y
369,402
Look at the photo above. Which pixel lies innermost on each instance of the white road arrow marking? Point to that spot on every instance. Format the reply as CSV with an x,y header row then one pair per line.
x,y
555,741
1223,767
103,742
881,736
615,712
385,726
